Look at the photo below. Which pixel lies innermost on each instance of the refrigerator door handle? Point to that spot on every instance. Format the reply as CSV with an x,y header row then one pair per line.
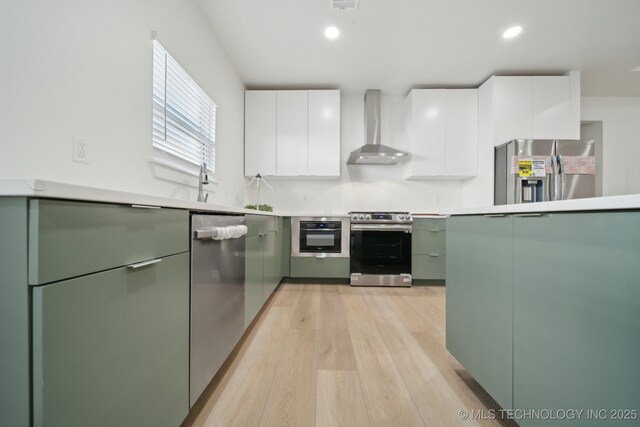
x,y
562,177
553,191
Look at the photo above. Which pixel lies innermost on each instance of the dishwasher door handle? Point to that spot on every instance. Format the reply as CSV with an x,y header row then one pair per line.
x,y
221,233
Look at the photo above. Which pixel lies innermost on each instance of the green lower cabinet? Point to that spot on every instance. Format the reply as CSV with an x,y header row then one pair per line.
x,y
322,268
263,269
428,249
286,247
253,294
278,251
15,320
479,316
271,266
259,224
577,316
111,348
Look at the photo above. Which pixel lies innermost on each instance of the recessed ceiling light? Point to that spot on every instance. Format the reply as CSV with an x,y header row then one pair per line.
x,y
512,32
331,32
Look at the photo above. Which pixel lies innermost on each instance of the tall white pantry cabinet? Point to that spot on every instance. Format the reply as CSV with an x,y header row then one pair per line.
x,y
292,133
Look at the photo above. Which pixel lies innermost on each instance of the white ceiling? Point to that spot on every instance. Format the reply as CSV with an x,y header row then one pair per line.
x,y
396,45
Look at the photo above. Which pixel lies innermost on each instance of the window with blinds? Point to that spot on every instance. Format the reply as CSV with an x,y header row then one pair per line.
x,y
184,117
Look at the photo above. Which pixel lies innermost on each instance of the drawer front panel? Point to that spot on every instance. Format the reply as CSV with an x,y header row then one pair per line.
x,y
425,267
69,239
428,242
429,224
112,348
320,267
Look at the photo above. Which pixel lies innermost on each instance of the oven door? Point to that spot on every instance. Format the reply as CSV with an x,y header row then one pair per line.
x,y
320,237
320,241
384,250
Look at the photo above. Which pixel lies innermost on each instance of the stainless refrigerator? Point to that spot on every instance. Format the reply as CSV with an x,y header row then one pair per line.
x,y
528,171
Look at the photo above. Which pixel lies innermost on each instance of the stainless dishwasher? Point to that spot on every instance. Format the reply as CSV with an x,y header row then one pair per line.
x,y
217,295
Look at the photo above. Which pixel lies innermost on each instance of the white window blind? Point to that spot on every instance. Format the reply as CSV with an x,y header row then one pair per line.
x,y
184,117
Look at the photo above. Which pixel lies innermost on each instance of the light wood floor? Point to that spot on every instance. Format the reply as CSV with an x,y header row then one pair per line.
x,y
333,355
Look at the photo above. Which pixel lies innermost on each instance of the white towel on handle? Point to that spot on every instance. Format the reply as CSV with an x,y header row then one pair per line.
x,y
230,232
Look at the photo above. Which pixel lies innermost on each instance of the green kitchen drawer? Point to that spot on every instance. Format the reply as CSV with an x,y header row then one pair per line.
x,y
112,348
428,267
428,242
311,267
259,224
69,239
429,224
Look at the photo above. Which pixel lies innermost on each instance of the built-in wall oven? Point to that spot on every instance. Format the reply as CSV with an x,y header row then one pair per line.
x,y
380,248
320,236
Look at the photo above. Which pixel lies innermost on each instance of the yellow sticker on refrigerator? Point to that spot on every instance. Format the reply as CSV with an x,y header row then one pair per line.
x,y
531,168
525,167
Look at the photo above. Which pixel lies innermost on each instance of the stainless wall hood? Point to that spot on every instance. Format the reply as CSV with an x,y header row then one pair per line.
x,y
373,152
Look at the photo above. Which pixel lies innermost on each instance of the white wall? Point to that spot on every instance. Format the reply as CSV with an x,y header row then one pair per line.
x,y
83,68
620,141
366,187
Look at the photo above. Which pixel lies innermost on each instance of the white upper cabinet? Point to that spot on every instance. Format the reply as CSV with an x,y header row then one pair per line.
x,y
552,108
441,133
291,133
536,107
461,144
512,108
260,133
295,133
425,132
324,133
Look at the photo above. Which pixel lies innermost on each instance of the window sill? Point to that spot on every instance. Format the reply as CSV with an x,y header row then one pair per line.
x,y
173,171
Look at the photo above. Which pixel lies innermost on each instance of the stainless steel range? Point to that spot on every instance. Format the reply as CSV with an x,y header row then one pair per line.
x,y
381,248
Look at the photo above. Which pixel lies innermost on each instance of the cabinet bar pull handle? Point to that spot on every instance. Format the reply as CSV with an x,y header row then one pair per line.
x,y
495,216
433,230
530,215
144,263
321,256
145,207
434,255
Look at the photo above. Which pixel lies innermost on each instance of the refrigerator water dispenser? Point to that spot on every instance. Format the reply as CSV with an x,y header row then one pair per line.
x,y
532,190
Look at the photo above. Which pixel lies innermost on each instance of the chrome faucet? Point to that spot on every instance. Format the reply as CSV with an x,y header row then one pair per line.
x,y
203,179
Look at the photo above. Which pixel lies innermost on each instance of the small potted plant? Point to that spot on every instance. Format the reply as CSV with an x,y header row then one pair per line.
x,y
262,207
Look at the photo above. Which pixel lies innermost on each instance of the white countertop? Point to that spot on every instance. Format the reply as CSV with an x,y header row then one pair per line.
x,y
592,204
58,190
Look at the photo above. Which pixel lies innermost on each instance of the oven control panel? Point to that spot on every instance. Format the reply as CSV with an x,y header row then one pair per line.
x,y
381,217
